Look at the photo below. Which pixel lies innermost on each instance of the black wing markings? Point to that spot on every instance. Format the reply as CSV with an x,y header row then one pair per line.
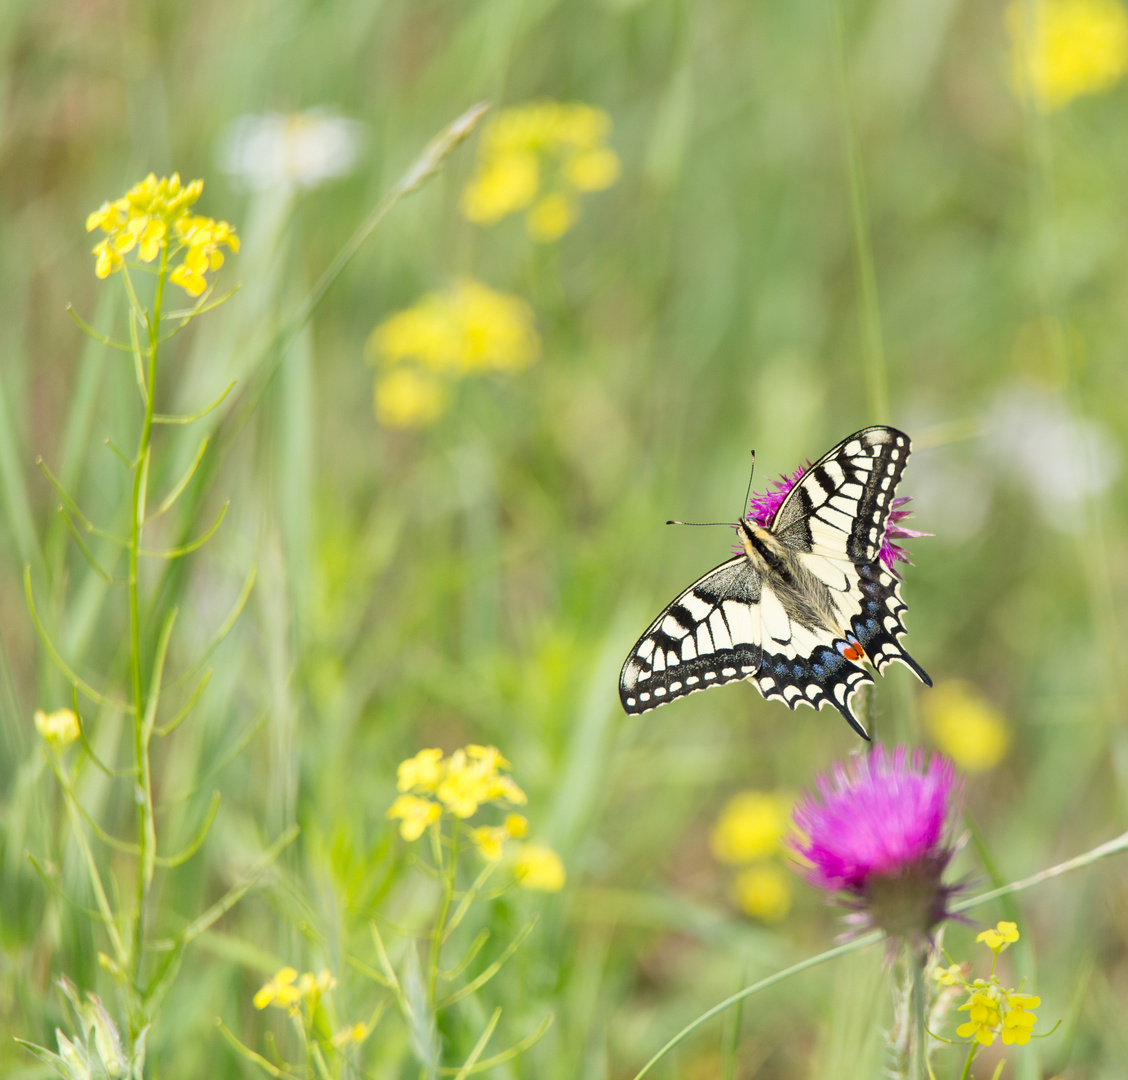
x,y
715,631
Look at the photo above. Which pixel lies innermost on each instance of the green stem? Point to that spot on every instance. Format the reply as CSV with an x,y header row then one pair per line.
x,y
146,834
918,1030
873,344
439,931
967,1064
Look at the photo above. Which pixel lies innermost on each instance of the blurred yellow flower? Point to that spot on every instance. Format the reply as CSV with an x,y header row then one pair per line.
x,y
414,814
279,991
146,216
751,826
407,398
310,985
354,1033
467,330
462,783
1062,49
593,170
58,728
952,975
551,147
422,772
965,726
507,183
1006,933
552,217
517,826
490,841
763,892
1019,1020
469,781
539,868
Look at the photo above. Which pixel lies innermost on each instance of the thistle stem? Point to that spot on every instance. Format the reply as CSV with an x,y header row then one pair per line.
x,y
918,1024
146,837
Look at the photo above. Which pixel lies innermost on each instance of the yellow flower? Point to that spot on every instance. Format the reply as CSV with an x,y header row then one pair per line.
x,y
468,328
1062,49
592,170
539,868
966,727
146,216
998,939
496,331
58,728
581,126
469,782
551,218
1019,1021
550,147
952,975
763,892
354,1033
108,259
751,826
516,826
313,986
422,772
489,756
983,1018
415,815
409,398
508,183
279,991
490,841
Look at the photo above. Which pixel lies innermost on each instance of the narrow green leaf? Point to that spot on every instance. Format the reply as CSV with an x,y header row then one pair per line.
x,y
193,545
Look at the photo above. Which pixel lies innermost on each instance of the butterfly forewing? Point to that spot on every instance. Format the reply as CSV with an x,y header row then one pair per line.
x,y
732,624
707,636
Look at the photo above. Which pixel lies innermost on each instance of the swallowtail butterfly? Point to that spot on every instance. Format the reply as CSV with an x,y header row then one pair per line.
x,y
804,607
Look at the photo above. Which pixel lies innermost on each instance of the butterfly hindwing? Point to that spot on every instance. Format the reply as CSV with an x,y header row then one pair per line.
x,y
709,635
835,516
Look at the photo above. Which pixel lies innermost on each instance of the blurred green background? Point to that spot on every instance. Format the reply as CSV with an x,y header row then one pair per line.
x,y
481,579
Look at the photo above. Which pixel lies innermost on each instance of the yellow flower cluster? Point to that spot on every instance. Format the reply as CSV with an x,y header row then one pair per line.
x,y
155,215
993,1009
58,728
966,726
751,829
287,991
1062,49
467,330
458,785
461,782
539,158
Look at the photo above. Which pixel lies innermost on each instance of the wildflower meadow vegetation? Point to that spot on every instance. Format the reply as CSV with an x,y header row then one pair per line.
x,y
351,359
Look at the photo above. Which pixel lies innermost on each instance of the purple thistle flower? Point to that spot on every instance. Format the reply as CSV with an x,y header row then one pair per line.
x,y
880,836
763,509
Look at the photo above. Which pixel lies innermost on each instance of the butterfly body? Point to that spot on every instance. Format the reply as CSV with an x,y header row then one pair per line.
x,y
806,604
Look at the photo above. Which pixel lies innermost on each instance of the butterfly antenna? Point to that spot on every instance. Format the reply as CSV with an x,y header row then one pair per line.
x,y
748,493
701,524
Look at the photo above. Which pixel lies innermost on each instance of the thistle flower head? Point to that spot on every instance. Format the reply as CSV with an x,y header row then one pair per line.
x,y
763,508
878,833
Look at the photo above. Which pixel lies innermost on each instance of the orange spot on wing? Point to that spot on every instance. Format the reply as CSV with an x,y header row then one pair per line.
x,y
853,652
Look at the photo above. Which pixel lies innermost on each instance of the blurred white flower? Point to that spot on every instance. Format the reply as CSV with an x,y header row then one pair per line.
x,y
304,149
1059,457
